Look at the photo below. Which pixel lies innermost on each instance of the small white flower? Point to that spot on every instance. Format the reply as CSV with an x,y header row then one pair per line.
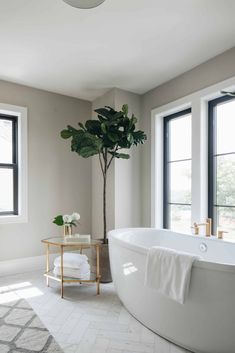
x,y
76,216
70,219
67,219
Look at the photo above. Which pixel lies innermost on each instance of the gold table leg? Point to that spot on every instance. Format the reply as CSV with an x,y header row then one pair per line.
x,y
62,270
47,262
98,268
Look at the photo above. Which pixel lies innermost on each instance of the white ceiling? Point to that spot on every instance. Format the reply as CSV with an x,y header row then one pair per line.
x,y
130,44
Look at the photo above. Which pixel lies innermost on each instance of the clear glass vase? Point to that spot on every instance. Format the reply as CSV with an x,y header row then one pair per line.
x,y
67,230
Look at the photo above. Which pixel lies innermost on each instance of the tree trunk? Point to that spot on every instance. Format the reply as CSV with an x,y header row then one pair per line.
x,y
104,195
104,208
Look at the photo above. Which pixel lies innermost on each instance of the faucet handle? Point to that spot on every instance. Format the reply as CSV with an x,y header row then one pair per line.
x,y
220,234
196,228
209,227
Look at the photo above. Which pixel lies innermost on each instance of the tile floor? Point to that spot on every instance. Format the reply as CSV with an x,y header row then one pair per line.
x,y
84,322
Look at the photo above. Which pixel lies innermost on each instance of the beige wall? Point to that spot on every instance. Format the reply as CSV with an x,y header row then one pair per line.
x,y
127,172
58,180
204,75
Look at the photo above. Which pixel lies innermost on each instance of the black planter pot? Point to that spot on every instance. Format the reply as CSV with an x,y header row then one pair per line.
x,y
105,270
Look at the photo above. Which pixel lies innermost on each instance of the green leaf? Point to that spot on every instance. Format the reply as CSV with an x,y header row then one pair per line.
x,y
117,116
66,134
81,139
81,126
104,128
93,127
106,112
139,137
87,152
125,109
101,118
113,136
133,119
58,220
122,155
130,138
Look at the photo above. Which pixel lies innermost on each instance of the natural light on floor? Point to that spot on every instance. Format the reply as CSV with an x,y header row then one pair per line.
x,y
15,291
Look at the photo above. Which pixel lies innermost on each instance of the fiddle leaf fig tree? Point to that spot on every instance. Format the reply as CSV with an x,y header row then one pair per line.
x,y
106,136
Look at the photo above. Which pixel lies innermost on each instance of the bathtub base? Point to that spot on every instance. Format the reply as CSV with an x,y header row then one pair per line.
x,y
164,337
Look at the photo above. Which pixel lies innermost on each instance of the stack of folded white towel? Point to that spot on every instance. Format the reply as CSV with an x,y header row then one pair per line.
x,y
74,265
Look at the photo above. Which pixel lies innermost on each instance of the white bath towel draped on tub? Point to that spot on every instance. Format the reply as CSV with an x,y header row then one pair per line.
x,y
169,272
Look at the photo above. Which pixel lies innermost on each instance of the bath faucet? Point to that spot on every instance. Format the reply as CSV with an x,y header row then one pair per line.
x,y
208,224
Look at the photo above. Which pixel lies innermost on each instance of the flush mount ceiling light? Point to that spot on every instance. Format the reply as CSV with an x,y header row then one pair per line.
x,y
84,4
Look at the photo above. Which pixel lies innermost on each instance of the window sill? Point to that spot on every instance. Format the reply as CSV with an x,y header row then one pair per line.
x,y
4,219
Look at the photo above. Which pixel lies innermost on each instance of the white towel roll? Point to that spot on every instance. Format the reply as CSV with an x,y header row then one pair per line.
x,y
74,273
71,260
84,268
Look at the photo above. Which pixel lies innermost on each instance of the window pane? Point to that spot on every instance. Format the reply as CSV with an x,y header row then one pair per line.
x,y
226,221
6,190
225,122
5,141
180,182
225,167
180,138
180,218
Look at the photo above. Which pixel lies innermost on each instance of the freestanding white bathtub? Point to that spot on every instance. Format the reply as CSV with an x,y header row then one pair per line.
x,y
206,322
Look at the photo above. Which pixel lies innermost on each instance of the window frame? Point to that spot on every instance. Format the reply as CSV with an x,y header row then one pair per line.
x,y
14,165
212,104
166,172
198,101
22,119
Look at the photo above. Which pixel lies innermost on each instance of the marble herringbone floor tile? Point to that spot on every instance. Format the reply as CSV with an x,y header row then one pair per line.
x,y
84,322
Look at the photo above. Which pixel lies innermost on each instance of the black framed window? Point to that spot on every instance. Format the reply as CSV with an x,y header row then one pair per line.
x,y
8,165
221,164
177,171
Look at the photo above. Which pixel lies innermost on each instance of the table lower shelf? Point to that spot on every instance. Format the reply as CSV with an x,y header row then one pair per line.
x,y
50,274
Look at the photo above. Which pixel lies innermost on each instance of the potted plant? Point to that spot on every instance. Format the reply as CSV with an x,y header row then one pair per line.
x,y
105,137
67,221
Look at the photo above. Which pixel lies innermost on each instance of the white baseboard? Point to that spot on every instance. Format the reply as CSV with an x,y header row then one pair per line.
x,y
27,264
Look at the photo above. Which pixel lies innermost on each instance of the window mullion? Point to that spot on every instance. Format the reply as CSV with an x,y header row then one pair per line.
x,y
216,152
167,202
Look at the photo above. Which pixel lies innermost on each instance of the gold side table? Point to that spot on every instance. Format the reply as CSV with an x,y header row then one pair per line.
x,y
62,244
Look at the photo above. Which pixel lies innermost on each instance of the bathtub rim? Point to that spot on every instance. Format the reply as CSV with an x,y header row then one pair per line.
x,y
203,264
